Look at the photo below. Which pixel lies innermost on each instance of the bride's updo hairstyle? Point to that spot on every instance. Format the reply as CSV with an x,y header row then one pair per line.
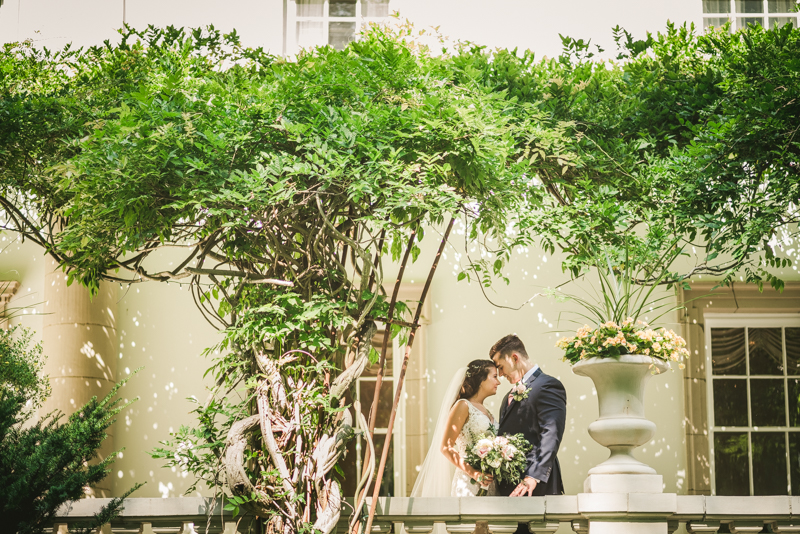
x,y
477,372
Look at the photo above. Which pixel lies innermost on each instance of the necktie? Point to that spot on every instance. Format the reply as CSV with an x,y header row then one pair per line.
x,y
510,398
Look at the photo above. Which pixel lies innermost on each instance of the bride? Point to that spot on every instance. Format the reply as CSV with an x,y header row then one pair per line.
x,y
462,418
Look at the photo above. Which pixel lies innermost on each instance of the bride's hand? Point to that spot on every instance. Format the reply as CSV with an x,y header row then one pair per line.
x,y
483,478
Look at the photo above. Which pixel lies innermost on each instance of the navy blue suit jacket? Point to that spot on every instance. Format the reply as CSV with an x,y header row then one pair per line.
x,y
540,418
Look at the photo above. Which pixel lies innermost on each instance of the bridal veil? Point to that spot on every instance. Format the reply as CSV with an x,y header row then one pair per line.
x,y
435,478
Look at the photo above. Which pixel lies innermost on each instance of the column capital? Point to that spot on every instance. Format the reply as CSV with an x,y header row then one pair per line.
x,y
8,288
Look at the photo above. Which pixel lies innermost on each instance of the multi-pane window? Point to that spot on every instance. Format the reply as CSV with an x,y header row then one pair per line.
x,y
364,392
331,22
741,13
754,405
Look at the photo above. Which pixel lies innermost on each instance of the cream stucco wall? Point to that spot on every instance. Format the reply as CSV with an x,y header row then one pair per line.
x,y
159,329
536,24
508,23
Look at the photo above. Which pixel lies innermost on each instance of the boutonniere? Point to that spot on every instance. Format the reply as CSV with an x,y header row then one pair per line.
x,y
519,391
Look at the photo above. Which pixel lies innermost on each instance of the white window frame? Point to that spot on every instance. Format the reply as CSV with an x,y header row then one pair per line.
x,y
740,320
293,18
733,15
399,438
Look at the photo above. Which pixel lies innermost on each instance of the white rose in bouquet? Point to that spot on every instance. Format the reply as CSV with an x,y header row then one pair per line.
x,y
508,451
482,447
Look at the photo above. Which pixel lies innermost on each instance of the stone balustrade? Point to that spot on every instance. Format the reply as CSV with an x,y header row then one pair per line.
x,y
579,513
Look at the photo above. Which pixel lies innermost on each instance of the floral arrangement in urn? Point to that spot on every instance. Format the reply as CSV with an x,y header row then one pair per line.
x,y
627,291
611,340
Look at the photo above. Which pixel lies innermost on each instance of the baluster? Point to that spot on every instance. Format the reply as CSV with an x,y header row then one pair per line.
x,y
230,527
460,528
501,527
580,526
745,526
422,527
187,528
543,527
146,528
383,527
778,528
702,526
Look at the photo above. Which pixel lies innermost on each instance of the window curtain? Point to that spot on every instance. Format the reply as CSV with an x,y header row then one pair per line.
x,y
728,351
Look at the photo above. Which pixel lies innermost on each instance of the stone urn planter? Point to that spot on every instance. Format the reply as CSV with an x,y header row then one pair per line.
x,y
622,426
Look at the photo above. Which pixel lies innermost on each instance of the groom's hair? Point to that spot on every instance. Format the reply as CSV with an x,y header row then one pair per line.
x,y
507,345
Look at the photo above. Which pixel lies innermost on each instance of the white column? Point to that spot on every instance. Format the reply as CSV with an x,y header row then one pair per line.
x,y
79,338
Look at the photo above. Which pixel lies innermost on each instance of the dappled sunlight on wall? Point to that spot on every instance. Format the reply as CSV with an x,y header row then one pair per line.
x,y
161,331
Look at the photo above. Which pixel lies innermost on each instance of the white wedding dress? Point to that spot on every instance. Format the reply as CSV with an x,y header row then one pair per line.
x,y
477,423
438,477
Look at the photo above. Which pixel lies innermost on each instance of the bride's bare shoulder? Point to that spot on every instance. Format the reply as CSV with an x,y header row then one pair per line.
x,y
460,409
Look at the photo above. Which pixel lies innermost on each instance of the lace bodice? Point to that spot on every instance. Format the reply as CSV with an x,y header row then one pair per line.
x,y
477,423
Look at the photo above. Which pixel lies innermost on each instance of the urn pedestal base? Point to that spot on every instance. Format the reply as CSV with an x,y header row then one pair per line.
x,y
623,484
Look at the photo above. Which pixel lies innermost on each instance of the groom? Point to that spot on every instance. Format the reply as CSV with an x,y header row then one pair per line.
x,y
536,408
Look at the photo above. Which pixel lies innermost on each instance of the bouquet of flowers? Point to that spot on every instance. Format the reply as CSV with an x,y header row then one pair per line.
x,y
500,456
609,340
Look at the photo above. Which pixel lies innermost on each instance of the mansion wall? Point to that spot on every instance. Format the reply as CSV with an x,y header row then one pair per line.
x,y
158,328
271,25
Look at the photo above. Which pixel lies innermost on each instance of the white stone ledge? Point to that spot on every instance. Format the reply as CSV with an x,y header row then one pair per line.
x,y
632,507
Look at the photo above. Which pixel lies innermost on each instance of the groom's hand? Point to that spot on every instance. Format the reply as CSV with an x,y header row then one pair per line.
x,y
525,487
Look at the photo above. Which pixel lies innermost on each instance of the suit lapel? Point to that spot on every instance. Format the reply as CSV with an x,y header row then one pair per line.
x,y
508,408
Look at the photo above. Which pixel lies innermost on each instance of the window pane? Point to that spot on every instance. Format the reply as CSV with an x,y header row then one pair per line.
x,y
749,6
372,368
374,8
309,34
309,8
385,401
794,461
730,402
342,8
780,6
716,22
727,351
794,404
341,33
730,463
744,22
769,467
792,350
767,402
766,354
348,465
716,6
387,484
775,22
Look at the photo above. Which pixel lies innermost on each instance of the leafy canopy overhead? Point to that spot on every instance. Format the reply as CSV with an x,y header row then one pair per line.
x,y
283,185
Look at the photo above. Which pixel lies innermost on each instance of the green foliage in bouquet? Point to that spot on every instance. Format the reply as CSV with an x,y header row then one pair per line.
x,y
503,457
